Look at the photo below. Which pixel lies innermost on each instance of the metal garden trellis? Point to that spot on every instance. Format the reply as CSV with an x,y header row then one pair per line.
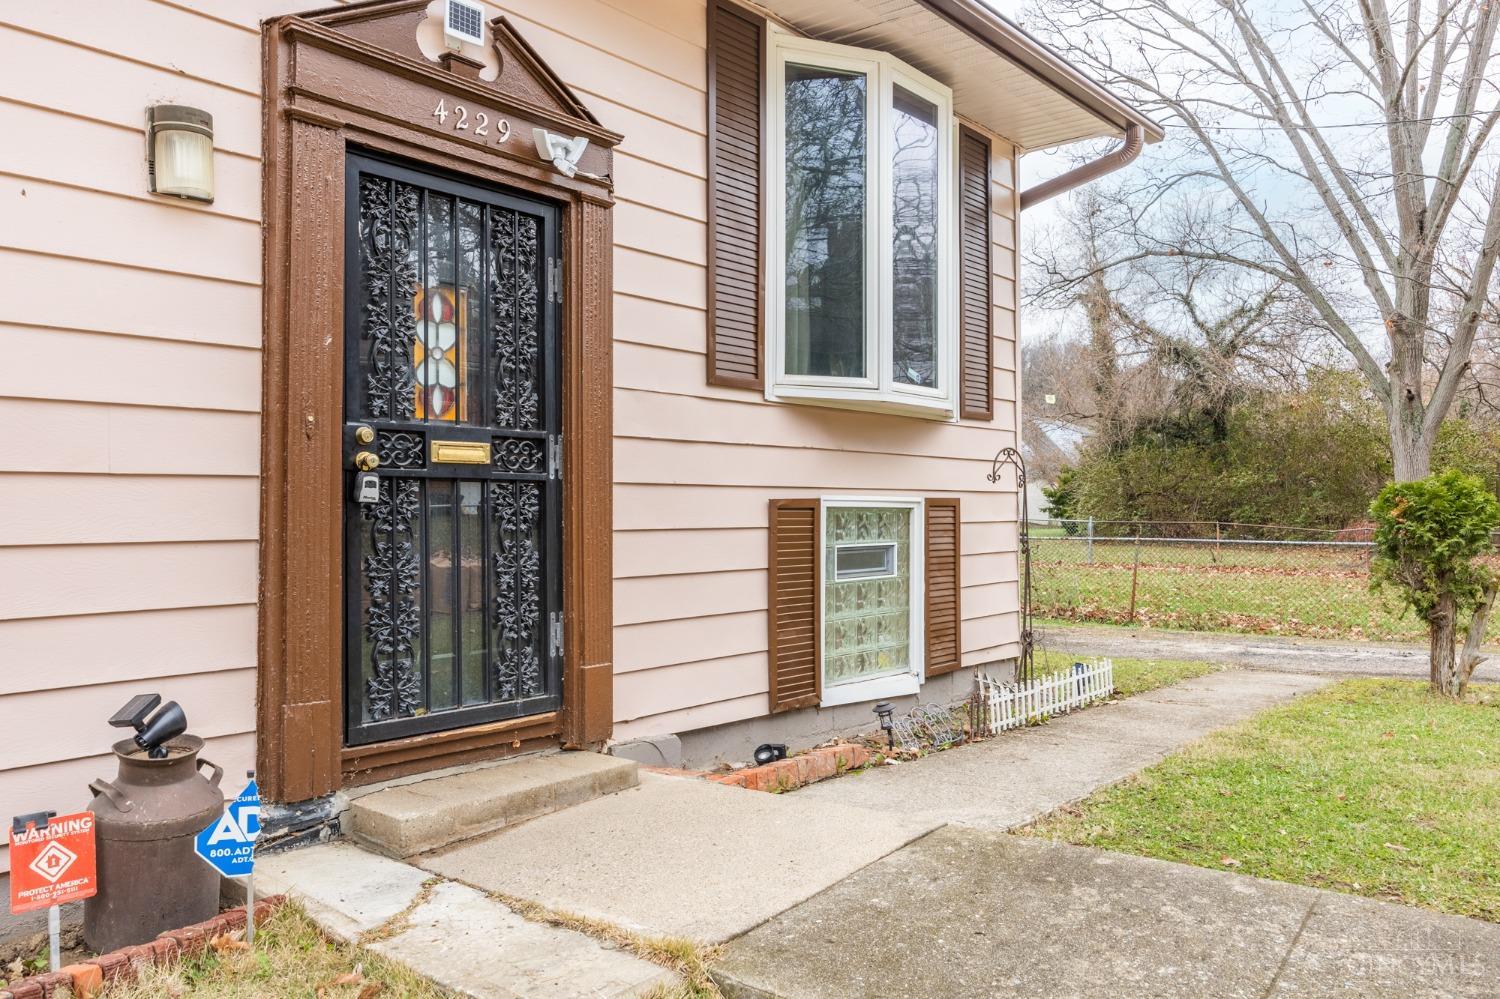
x,y
1010,457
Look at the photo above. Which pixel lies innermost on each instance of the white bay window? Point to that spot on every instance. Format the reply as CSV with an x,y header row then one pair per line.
x,y
861,276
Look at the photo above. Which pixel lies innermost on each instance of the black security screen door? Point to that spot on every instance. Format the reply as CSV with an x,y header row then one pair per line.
x,y
452,559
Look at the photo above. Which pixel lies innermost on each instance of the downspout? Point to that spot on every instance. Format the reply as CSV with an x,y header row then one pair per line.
x,y
1092,170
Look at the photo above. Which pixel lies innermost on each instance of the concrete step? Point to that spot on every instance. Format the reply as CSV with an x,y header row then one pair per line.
x,y
428,815
460,938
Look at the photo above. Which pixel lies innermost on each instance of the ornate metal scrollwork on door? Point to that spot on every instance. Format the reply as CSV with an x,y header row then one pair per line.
x,y
401,448
518,587
515,301
393,621
520,454
453,522
389,216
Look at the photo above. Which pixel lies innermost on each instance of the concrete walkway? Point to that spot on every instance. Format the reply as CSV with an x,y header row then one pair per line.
x,y
897,881
1263,652
1010,780
680,857
978,913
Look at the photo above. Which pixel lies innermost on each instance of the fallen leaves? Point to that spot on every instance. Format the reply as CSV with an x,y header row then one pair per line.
x,y
1229,862
368,989
226,943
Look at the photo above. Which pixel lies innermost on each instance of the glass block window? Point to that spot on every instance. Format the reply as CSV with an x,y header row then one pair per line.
x,y
866,620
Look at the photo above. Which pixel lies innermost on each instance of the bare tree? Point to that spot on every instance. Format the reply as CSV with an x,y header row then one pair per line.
x,y
1334,147
1169,337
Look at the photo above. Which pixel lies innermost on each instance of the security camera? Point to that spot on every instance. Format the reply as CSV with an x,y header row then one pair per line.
x,y
562,152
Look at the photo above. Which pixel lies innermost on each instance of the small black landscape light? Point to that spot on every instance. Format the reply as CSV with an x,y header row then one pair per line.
x,y
151,735
769,752
884,710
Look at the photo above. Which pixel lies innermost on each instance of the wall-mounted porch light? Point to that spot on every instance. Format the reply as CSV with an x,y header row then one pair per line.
x,y
180,151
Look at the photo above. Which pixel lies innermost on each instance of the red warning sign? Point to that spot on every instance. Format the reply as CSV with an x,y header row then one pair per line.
x,y
52,864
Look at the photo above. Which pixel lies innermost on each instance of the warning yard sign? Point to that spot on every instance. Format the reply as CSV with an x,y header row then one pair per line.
x,y
52,864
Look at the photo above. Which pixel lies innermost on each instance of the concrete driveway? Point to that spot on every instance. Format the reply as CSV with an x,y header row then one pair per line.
x,y
1262,652
969,912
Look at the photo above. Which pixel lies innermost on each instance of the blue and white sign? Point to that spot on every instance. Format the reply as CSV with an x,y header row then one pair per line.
x,y
228,844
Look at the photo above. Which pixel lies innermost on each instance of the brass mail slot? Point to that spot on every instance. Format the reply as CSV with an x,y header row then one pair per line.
x,y
461,452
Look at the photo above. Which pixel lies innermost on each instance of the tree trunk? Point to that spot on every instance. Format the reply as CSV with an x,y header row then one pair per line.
x,y
1442,631
1411,451
1469,658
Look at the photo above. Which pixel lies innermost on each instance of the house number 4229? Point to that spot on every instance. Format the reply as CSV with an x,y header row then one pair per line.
x,y
478,125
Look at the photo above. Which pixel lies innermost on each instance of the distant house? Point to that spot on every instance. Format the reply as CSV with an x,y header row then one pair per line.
x,y
446,385
1049,445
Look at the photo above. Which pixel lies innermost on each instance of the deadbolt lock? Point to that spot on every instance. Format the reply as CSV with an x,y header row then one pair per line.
x,y
367,461
364,435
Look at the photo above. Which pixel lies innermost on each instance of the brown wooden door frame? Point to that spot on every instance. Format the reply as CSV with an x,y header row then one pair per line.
x,y
354,78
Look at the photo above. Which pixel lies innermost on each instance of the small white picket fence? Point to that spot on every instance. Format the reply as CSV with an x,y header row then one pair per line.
x,y
999,706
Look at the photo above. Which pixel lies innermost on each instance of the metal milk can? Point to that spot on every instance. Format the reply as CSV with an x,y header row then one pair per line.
x,y
150,880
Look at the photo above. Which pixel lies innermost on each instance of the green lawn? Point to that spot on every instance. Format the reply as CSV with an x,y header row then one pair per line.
x,y
1133,676
1369,786
1307,592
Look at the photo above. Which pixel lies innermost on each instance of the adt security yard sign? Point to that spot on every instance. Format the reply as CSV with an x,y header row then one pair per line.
x,y
229,842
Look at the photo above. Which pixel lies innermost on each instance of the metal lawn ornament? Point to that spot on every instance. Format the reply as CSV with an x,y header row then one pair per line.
x,y
1010,457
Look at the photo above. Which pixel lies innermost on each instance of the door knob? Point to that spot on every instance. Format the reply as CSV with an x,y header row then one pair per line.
x,y
367,461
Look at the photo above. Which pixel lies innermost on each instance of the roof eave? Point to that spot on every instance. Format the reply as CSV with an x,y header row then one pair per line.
x,y
1041,61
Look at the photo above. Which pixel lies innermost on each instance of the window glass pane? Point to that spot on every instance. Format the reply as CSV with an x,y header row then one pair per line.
x,y
438,314
866,622
826,180
864,561
914,188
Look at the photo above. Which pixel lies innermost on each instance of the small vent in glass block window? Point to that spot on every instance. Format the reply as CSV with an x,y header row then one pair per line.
x,y
465,22
864,561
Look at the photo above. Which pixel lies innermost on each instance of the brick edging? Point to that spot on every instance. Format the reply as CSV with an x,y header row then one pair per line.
x,y
85,979
785,775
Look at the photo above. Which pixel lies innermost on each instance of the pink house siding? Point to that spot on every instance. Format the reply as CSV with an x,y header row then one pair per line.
x,y
131,389
696,464
130,392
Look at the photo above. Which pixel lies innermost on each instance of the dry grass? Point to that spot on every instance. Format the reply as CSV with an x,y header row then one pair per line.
x,y
291,958
686,957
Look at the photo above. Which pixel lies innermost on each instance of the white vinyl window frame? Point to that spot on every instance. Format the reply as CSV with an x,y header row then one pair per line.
x,y
901,684
878,390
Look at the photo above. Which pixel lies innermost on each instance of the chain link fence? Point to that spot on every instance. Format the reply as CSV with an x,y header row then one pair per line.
x,y
1206,576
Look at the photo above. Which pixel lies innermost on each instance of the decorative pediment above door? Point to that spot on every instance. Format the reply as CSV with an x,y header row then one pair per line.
x,y
505,81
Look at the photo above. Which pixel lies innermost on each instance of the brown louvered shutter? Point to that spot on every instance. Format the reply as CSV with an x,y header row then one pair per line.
x,y
976,373
796,659
736,193
944,653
